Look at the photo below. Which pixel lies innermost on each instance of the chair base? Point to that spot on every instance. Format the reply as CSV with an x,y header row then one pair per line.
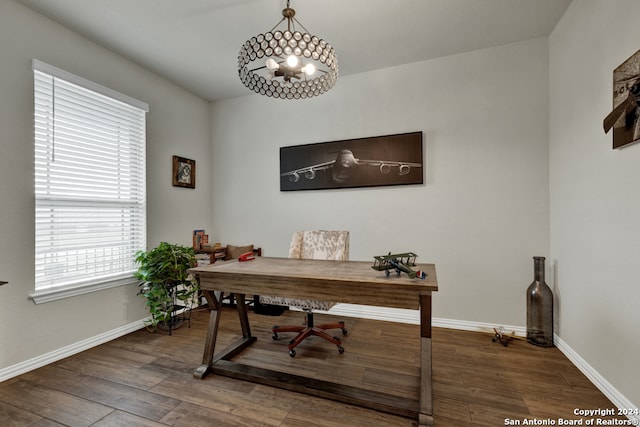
x,y
309,329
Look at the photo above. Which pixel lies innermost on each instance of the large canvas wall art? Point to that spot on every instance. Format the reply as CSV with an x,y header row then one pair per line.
x,y
364,162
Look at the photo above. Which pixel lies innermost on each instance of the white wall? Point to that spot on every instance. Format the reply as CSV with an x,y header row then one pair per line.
x,y
483,211
178,123
595,193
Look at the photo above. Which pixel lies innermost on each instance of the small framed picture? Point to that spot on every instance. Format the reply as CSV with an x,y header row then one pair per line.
x,y
184,172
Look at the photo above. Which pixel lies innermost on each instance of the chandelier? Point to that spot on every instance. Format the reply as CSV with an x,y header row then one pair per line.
x,y
287,63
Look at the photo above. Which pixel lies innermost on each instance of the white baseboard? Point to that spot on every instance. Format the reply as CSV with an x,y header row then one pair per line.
x,y
598,380
349,310
376,313
464,325
413,317
70,350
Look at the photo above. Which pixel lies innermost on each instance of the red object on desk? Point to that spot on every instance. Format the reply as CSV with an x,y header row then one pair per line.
x,y
247,256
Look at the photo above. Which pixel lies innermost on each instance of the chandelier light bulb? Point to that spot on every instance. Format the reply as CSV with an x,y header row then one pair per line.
x,y
309,69
292,61
271,64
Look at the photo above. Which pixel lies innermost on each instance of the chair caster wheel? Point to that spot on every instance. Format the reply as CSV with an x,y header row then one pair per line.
x,y
344,331
274,336
340,349
292,353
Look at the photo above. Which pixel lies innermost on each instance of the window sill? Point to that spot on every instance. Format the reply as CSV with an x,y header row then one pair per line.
x,y
48,295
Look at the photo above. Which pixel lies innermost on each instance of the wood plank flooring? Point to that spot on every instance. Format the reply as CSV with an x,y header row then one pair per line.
x,y
145,379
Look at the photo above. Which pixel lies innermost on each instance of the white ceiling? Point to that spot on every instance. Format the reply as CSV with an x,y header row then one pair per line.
x,y
195,43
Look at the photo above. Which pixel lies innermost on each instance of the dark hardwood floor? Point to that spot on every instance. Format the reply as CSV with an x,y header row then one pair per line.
x,y
145,379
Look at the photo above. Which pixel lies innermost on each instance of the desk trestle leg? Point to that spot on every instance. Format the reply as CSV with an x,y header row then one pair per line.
x,y
208,358
215,304
425,417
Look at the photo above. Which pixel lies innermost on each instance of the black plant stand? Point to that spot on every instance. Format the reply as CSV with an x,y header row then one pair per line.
x,y
179,312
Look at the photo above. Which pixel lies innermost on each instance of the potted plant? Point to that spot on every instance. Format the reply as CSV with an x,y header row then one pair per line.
x,y
165,283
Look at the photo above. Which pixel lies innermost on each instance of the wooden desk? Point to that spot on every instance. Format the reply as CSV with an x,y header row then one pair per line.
x,y
352,282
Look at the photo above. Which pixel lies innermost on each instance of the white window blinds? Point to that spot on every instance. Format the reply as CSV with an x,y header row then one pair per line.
x,y
89,181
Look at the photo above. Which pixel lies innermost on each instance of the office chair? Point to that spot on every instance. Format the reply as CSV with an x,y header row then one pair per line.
x,y
318,244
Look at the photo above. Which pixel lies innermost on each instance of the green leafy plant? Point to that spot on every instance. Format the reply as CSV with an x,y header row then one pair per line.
x,y
164,280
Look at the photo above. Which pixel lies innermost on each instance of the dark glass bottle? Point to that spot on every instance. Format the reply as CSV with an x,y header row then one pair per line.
x,y
539,307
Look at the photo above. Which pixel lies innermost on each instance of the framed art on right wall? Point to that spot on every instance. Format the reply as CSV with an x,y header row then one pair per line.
x,y
625,116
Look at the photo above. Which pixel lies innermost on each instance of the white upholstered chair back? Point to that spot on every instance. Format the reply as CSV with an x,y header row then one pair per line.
x,y
320,244
315,244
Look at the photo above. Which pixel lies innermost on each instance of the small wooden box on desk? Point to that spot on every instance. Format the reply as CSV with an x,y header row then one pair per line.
x,y
215,253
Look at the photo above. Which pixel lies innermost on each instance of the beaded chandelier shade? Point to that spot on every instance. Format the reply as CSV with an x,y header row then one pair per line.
x,y
287,63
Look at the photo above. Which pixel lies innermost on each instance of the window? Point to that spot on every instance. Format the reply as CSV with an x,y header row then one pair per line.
x,y
90,217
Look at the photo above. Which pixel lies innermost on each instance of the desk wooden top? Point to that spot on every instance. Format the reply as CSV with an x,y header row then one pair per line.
x,y
352,282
